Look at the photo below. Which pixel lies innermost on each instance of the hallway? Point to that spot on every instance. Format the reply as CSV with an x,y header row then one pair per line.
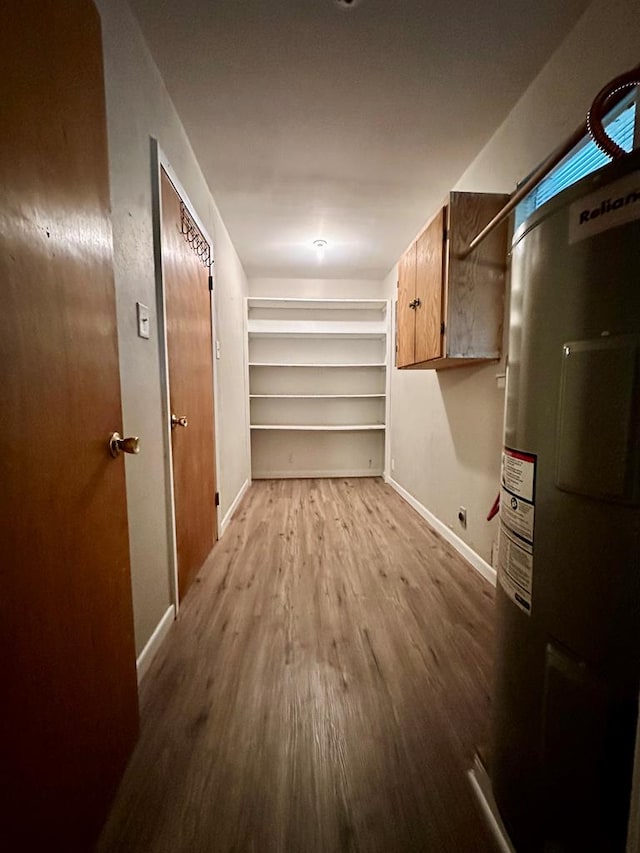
x,y
324,688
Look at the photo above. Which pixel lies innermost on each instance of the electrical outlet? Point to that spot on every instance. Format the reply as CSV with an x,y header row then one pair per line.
x,y
393,464
462,517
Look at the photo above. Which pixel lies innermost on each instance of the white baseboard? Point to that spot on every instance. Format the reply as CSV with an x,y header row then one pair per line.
x,y
481,785
234,506
480,565
155,641
322,472
633,831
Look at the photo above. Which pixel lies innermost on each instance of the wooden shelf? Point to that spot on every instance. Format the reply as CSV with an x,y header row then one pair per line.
x,y
320,427
311,364
315,396
284,302
315,329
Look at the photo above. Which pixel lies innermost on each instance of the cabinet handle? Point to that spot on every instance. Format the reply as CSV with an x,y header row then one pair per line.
x,y
415,303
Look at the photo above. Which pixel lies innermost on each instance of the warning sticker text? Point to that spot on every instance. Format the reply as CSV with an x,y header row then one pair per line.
x,y
515,569
518,473
517,514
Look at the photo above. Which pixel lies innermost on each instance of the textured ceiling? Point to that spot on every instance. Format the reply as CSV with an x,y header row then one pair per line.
x,y
312,122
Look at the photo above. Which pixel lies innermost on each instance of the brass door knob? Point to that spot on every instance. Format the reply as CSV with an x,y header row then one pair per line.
x,y
178,420
118,444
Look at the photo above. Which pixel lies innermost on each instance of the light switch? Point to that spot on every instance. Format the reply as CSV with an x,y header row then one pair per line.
x,y
144,320
217,349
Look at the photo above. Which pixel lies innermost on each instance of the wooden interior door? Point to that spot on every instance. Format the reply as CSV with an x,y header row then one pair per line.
x,y
405,314
68,708
429,290
190,357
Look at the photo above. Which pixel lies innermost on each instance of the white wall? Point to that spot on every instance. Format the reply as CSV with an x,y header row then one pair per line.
x,y
138,107
446,426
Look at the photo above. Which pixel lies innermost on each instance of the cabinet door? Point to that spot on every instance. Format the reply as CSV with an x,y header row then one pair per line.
x,y
429,286
406,315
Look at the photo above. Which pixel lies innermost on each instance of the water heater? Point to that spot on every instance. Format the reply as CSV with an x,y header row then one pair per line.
x,y
568,599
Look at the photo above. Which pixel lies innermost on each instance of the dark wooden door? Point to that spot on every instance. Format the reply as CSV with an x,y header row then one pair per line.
x,y
68,706
429,290
405,311
189,349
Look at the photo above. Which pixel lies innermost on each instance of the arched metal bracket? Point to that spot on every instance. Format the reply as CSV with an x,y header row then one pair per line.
x,y
599,108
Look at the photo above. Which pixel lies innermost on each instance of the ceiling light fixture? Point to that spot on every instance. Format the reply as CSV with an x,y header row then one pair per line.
x,y
320,246
346,5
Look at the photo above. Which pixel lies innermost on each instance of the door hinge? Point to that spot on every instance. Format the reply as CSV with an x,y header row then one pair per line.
x,y
442,328
217,498
210,282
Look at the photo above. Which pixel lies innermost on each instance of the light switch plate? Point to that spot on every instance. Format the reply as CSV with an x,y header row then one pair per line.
x,y
144,320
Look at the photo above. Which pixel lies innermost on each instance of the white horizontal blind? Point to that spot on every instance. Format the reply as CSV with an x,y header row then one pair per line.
x,y
586,158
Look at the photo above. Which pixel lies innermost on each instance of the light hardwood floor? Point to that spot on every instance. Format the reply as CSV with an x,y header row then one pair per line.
x,y
323,690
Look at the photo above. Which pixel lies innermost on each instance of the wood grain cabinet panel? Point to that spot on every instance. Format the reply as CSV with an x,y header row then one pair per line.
x,y
406,318
69,706
451,311
429,284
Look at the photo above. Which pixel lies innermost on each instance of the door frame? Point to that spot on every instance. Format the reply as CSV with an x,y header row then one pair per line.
x,y
160,161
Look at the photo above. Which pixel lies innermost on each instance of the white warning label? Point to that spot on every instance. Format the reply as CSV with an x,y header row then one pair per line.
x,y
609,207
518,473
517,514
517,517
515,569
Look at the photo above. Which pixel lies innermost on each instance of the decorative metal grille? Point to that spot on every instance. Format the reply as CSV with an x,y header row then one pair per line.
x,y
194,237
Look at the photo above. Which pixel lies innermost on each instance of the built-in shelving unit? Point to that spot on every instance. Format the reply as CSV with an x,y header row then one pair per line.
x,y
318,386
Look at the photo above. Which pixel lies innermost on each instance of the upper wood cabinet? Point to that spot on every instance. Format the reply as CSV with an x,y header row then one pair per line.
x,y
450,310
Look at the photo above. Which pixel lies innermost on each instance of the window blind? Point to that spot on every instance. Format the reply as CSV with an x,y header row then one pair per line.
x,y
583,161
